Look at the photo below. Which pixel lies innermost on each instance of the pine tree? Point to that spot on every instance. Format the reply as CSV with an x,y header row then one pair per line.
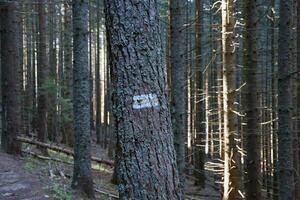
x,y
178,80
43,72
285,134
232,174
253,176
146,166
82,175
10,68
199,125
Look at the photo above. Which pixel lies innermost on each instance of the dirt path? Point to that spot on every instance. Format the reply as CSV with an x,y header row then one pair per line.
x,y
17,184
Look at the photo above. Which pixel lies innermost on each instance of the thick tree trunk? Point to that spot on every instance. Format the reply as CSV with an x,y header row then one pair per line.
x,y
178,80
250,101
285,134
146,161
82,176
43,73
10,68
232,174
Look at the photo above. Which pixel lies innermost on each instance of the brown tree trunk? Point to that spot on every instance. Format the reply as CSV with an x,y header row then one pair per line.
x,y
10,68
199,118
146,166
232,174
43,72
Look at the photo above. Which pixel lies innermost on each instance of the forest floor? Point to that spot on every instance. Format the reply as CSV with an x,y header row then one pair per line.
x,y
37,178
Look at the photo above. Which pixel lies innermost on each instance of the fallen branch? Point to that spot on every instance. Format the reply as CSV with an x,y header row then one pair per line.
x,y
47,158
107,193
62,150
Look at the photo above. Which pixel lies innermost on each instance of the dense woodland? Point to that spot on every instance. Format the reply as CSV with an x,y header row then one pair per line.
x,y
161,99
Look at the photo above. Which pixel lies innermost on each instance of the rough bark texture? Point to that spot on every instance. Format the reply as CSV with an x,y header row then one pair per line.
x,y
10,67
146,161
285,135
232,174
178,80
298,94
199,125
43,72
68,126
250,96
82,176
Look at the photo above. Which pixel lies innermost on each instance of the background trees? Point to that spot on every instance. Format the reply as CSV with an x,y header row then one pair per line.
x,y
229,69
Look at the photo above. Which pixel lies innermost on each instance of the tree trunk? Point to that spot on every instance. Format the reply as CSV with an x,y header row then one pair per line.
x,y
146,166
68,127
43,73
10,68
199,119
285,135
178,81
100,138
52,117
250,101
82,176
232,174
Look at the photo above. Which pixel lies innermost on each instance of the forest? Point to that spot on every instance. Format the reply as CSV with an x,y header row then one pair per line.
x,y
150,99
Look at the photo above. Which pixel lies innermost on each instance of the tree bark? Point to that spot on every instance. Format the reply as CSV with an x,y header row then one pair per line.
x,y
199,118
285,134
232,174
146,161
68,126
253,147
43,73
82,176
178,80
10,68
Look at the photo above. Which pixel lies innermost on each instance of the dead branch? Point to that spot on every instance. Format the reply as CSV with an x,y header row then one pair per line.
x,y
62,150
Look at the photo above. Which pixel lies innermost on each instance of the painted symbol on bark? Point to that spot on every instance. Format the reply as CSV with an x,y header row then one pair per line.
x,y
145,101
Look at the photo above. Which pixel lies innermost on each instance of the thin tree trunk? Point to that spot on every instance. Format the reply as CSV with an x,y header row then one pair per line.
x,y
52,118
250,101
82,176
285,134
199,118
232,174
43,73
178,81
68,126
98,84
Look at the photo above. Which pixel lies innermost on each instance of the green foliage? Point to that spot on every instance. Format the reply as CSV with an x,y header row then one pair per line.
x,y
67,110
29,165
51,87
61,193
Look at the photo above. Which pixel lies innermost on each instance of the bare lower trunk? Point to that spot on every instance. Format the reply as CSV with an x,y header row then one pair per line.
x,y
146,166
10,67
232,174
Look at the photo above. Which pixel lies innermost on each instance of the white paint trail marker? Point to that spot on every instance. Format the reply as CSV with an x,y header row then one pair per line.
x,y
145,101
